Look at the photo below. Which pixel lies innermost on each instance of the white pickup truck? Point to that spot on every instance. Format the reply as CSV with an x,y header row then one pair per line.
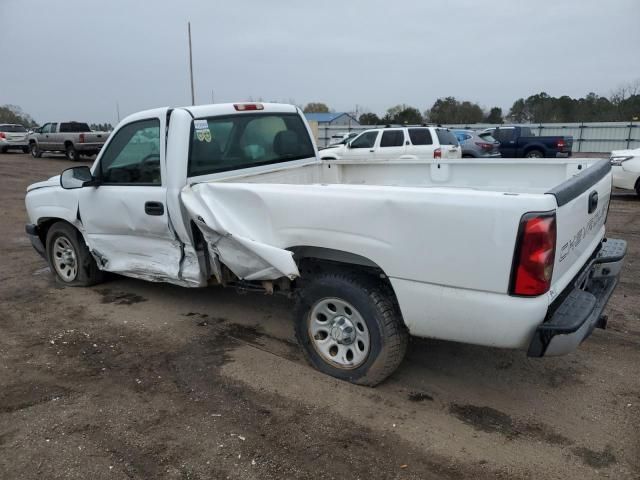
x,y
500,252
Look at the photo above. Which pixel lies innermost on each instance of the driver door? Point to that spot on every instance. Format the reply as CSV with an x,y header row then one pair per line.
x,y
125,217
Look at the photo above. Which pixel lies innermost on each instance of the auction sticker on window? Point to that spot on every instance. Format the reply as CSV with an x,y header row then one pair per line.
x,y
201,124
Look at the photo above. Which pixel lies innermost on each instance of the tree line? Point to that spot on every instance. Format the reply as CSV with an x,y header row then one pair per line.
x,y
622,105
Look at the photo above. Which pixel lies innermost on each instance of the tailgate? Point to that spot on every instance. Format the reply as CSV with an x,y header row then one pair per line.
x,y
583,203
95,137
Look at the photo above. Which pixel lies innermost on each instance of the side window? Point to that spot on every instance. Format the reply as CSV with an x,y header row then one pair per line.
x,y
53,127
420,136
366,140
133,155
504,134
46,128
392,138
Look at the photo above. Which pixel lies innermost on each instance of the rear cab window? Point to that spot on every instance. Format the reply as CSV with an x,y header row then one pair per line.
x,y
232,142
74,127
446,137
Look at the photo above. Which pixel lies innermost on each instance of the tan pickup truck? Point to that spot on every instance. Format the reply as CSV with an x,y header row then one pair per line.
x,y
72,138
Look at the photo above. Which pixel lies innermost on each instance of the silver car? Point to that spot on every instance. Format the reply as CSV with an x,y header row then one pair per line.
x,y
476,145
13,137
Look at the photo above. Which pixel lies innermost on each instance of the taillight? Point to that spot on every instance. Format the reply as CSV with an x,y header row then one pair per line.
x,y
2,135
437,153
485,146
560,144
81,138
243,107
534,255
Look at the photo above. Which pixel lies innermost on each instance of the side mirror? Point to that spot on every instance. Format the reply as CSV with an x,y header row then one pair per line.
x,y
77,177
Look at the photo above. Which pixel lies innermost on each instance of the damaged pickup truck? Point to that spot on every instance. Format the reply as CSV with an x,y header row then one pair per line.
x,y
498,252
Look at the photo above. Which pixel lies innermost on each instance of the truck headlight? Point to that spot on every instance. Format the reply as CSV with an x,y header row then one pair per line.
x,y
617,161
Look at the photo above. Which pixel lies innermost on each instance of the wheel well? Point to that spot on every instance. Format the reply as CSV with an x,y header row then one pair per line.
x,y
68,143
313,260
31,140
44,224
534,147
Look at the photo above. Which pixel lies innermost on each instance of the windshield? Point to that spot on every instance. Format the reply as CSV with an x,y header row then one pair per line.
x,y
12,128
231,142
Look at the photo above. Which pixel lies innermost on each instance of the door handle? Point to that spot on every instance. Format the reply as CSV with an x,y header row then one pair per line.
x,y
154,208
372,150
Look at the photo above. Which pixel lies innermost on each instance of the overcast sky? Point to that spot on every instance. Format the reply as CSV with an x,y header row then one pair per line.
x,y
74,59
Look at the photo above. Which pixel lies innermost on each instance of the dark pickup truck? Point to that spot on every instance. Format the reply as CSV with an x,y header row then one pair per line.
x,y
517,142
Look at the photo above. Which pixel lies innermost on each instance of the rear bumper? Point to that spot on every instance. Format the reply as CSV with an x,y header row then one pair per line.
x,y
578,311
33,234
88,147
14,143
563,154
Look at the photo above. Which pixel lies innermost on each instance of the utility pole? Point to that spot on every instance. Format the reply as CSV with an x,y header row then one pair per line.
x,y
118,111
212,98
193,98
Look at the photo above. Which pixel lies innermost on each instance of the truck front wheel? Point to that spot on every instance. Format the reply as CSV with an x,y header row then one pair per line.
x,y
35,151
350,327
69,258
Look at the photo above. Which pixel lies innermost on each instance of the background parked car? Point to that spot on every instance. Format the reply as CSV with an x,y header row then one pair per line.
x,y
72,138
473,145
516,142
398,143
625,165
13,137
341,138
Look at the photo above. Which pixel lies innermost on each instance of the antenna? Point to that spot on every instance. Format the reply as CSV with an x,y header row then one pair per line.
x,y
193,98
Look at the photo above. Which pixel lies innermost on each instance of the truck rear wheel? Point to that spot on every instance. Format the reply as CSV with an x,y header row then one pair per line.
x,y
534,154
35,151
71,153
350,327
69,258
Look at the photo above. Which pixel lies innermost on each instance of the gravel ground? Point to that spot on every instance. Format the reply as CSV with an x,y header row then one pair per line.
x,y
129,379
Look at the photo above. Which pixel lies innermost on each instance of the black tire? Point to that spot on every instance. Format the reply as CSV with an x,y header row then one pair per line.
x,y
25,149
638,186
376,305
535,153
86,272
3,150
71,153
35,151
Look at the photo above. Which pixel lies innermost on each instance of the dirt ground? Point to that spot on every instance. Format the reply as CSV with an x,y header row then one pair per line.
x,y
136,380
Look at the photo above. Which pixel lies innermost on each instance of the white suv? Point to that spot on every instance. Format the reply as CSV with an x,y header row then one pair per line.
x,y
625,166
398,143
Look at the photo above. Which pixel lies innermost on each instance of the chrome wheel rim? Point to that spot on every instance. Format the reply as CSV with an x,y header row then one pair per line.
x,y
338,333
65,260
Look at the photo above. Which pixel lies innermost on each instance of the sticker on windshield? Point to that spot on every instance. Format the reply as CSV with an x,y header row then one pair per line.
x,y
203,135
201,124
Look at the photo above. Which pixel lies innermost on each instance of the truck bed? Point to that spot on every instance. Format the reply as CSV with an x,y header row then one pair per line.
x,y
497,175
